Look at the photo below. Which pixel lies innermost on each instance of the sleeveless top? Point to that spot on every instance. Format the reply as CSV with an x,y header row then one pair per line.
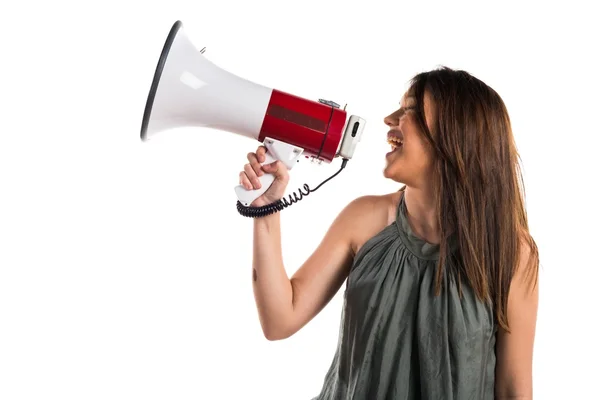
x,y
400,341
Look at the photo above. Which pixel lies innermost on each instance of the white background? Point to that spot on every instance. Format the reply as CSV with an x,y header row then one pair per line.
x,y
125,270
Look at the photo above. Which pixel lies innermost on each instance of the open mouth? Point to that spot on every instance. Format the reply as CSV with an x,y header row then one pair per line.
x,y
395,142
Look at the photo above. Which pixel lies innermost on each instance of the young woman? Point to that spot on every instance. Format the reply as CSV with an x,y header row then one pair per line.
x,y
441,277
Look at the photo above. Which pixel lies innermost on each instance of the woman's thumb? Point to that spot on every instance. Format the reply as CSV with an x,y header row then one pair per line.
x,y
276,168
272,167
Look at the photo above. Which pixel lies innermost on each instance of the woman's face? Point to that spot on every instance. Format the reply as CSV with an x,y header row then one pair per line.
x,y
411,161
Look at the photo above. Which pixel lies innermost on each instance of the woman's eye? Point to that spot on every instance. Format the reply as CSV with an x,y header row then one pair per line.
x,y
404,110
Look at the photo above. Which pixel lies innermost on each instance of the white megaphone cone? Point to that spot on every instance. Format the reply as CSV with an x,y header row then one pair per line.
x,y
189,90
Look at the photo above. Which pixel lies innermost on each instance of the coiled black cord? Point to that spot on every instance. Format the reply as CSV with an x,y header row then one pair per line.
x,y
257,212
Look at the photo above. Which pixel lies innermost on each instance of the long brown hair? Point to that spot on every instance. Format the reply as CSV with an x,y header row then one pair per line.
x,y
478,184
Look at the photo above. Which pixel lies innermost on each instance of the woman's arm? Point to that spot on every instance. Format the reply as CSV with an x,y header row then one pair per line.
x,y
285,305
514,350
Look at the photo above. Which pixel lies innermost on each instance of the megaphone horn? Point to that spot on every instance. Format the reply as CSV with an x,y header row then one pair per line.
x,y
189,90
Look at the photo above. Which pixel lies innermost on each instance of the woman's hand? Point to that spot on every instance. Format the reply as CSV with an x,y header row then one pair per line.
x,y
253,170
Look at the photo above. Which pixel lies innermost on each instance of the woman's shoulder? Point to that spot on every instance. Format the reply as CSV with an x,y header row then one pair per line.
x,y
374,204
368,215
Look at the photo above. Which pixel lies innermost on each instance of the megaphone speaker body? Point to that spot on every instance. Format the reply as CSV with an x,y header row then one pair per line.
x,y
188,90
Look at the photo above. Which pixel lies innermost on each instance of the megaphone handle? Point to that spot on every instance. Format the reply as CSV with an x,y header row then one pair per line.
x,y
246,196
276,150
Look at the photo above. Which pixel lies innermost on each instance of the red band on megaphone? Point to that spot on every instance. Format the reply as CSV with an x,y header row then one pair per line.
x,y
316,127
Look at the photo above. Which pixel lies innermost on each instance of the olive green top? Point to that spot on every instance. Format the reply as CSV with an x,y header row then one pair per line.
x,y
400,341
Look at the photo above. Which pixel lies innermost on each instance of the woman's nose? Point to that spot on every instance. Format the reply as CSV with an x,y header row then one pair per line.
x,y
390,120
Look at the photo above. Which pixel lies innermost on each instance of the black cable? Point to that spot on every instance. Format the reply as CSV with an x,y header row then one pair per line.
x,y
257,212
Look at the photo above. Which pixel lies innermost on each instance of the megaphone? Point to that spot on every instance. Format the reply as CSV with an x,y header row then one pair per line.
x,y
188,90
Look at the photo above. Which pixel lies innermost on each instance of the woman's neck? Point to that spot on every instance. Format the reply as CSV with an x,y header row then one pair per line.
x,y
422,213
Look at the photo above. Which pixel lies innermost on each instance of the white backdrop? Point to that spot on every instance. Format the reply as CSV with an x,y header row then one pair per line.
x,y
125,270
